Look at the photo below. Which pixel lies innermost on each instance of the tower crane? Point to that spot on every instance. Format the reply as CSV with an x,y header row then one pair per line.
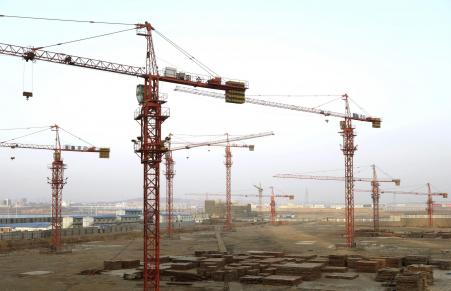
x,y
348,147
57,181
170,164
375,193
150,116
260,195
272,202
429,201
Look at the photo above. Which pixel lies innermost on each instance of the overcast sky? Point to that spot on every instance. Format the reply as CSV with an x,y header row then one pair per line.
x,y
391,57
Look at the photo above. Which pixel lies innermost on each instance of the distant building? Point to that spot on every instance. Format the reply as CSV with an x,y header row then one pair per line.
x,y
217,209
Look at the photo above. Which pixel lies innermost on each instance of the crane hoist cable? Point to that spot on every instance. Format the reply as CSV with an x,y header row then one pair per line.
x,y
22,136
77,137
65,20
188,55
24,128
85,38
183,51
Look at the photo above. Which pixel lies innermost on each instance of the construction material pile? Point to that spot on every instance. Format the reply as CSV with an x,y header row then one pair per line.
x,y
337,260
393,262
387,274
282,280
366,266
351,260
426,269
308,271
415,259
411,281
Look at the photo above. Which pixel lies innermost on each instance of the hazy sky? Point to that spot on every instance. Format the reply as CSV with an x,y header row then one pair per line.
x,y
391,57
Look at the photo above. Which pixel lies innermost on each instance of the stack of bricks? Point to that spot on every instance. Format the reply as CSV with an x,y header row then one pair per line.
x,y
393,262
365,266
208,266
387,274
332,269
337,260
308,271
415,259
426,269
282,280
324,261
411,281
352,259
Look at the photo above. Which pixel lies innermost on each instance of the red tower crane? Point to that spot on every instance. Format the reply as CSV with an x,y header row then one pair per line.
x,y
170,165
150,115
375,194
57,181
348,147
429,202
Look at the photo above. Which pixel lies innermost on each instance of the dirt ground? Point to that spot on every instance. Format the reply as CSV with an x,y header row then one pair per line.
x,y
294,238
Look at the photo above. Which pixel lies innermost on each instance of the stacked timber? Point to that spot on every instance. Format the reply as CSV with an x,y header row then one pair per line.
x,y
282,280
411,281
415,259
308,271
387,274
426,269
337,260
365,266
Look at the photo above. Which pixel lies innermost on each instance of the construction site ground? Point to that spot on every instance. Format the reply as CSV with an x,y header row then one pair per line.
x,y
61,271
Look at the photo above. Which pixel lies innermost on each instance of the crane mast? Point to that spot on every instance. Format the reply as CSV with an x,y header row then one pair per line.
x,y
429,201
57,183
348,147
374,184
57,180
228,165
150,116
273,207
375,196
170,165
260,197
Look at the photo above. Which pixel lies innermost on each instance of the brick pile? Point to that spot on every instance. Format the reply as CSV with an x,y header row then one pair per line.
x,y
352,259
415,259
282,280
387,274
426,269
308,271
337,260
411,281
393,262
366,266
332,269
